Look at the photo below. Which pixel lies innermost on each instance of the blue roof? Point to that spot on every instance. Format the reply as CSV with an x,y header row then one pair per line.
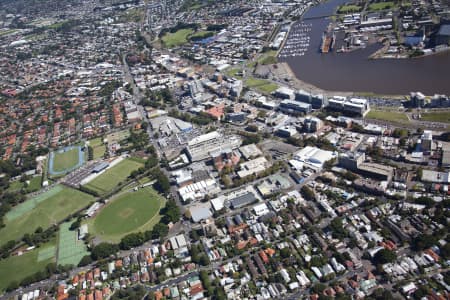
x,y
413,40
444,30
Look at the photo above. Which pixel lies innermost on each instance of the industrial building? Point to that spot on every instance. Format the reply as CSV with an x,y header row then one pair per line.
x,y
198,190
351,160
167,126
314,157
355,161
250,151
243,200
200,147
254,166
200,212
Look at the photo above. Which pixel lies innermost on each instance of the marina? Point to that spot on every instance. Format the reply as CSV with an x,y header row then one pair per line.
x,y
298,41
352,70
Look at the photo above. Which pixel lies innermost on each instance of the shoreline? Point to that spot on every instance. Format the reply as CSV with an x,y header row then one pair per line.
x,y
297,83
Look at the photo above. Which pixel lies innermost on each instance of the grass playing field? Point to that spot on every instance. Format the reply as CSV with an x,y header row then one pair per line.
x,y
177,38
262,85
98,147
16,268
65,160
130,211
111,177
70,249
42,211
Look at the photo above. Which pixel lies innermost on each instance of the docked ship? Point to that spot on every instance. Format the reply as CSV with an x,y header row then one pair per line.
x,y
327,43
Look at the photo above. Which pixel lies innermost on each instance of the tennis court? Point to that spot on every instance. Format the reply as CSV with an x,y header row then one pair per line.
x,y
70,249
28,205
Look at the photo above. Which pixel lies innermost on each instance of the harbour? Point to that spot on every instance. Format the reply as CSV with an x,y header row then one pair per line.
x,y
316,55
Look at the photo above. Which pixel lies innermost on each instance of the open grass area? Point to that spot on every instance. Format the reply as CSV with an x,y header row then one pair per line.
x,y
251,64
113,176
132,15
6,32
33,186
203,34
70,249
42,211
129,212
232,72
345,9
65,159
268,58
177,38
17,268
390,116
261,85
98,147
117,136
192,5
443,117
381,5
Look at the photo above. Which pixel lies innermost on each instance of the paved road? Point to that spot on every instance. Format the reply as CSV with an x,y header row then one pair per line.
x,y
172,282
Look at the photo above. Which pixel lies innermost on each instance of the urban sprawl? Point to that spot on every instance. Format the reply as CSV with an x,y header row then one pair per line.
x,y
160,150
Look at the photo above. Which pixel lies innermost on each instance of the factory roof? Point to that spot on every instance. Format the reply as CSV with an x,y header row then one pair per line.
x,y
204,137
243,200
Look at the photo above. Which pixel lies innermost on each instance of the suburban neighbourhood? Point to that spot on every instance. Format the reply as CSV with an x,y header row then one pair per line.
x,y
166,150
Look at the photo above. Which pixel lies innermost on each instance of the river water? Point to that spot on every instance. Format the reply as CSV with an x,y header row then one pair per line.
x,y
354,72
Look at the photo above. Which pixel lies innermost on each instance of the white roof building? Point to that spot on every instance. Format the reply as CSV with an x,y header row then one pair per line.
x,y
249,151
200,147
261,209
253,166
314,157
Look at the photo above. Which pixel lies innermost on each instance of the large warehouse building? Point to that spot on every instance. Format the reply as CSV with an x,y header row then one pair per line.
x,y
200,147
314,157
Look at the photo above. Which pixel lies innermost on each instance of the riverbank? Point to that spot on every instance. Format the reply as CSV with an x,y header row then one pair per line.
x,y
283,69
